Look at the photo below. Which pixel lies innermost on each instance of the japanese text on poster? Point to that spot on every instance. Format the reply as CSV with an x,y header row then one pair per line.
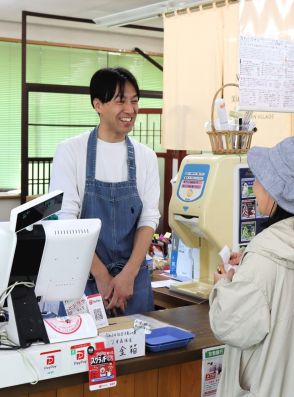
x,y
212,361
266,74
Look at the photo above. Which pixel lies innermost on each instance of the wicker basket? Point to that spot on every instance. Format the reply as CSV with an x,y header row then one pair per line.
x,y
228,142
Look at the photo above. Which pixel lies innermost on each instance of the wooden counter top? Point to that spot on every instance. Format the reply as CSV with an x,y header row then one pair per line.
x,y
193,318
165,298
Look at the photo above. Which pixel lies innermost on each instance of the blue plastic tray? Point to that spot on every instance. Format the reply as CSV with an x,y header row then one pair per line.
x,y
167,338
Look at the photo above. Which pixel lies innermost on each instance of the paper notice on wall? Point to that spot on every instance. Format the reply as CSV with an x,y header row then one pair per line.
x,y
266,74
212,361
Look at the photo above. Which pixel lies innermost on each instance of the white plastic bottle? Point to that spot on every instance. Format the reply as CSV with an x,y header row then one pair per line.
x,y
220,107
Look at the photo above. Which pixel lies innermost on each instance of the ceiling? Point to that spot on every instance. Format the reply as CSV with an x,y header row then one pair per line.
x,y
11,10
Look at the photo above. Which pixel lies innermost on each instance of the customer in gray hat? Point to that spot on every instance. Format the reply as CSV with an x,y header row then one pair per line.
x,y
252,310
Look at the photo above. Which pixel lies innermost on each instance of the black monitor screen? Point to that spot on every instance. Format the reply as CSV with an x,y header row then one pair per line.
x,y
38,212
28,254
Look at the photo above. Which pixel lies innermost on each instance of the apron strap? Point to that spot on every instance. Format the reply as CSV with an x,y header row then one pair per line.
x,y
131,160
91,155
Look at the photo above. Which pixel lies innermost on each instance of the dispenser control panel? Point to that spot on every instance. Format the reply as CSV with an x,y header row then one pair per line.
x,y
193,180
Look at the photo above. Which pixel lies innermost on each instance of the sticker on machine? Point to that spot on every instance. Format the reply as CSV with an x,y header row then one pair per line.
x,y
192,182
248,210
78,357
248,231
64,325
50,364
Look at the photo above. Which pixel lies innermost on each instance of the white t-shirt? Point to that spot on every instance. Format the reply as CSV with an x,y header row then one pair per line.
x,y
69,173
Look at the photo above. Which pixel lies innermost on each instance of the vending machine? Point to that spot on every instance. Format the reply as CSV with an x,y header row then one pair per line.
x,y
213,205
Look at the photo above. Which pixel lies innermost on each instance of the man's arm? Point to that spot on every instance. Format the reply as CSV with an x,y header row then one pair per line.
x,y
64,176
102,277
122,285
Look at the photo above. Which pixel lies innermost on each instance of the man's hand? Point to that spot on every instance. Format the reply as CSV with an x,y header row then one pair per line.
x,y
103,283
122,288
102,277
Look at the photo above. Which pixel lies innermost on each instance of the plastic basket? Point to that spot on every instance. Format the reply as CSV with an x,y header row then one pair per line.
x,y
228,142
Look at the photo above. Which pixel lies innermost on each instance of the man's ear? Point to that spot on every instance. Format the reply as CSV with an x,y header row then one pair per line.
x,y
97,104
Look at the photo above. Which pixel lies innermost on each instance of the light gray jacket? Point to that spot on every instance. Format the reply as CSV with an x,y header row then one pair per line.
x,y
253,316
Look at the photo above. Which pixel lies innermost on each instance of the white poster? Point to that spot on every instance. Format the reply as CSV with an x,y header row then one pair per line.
x,y
266,74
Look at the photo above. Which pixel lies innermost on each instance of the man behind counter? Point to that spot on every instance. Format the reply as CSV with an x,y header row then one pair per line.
x,y
105,174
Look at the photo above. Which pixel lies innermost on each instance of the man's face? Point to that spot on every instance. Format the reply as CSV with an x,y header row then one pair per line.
x,y
117,117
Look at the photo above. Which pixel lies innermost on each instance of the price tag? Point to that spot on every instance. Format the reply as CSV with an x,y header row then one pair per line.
x,y
101,365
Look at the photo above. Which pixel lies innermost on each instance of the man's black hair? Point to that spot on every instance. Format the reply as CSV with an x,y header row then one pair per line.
x,y
104,82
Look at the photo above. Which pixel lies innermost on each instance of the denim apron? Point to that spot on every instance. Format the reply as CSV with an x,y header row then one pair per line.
x,y
119,207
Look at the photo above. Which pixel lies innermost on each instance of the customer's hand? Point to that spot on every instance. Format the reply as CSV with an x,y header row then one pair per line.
x,y
227,275
235,258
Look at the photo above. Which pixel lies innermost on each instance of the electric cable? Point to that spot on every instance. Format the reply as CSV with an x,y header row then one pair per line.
x,y
30,365
9,289
4,341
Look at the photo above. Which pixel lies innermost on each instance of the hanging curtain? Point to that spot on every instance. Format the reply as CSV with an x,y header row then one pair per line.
x,y
193,57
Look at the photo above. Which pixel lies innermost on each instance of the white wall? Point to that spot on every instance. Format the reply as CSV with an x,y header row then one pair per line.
x,y
6,205
86,34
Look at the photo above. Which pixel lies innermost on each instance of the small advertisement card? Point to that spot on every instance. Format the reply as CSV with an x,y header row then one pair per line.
x,y
92,304
127,342
101,365
62,329
185,261
212,360
50,363
78,356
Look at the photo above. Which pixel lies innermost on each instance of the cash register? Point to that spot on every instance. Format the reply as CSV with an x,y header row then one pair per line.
x,y
42,259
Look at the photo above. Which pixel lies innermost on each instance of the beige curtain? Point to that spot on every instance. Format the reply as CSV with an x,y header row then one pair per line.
x,y
192,73
201,54
269,18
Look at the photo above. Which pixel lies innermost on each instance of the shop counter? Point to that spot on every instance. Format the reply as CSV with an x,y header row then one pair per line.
x,y
175,373
164,298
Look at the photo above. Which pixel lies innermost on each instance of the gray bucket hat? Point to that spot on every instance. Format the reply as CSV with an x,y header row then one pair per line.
x,y
274,169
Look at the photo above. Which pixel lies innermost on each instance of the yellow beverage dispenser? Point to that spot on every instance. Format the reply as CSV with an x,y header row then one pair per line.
x,y
204,206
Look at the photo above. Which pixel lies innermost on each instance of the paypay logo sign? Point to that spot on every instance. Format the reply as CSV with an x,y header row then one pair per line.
x,y
80,354
50,363
50,360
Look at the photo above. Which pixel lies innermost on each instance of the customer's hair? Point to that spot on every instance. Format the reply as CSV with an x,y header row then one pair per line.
x,y
104,82
278,215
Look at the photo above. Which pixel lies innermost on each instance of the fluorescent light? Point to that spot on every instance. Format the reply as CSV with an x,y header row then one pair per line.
x,y
140,13
136,14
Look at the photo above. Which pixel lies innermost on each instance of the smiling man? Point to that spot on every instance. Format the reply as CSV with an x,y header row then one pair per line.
x,y
105,174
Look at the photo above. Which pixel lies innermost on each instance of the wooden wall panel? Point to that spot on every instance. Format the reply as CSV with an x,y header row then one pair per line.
x,y
72,391
146,383
169,381
124,387
48,393
191,379
96,393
